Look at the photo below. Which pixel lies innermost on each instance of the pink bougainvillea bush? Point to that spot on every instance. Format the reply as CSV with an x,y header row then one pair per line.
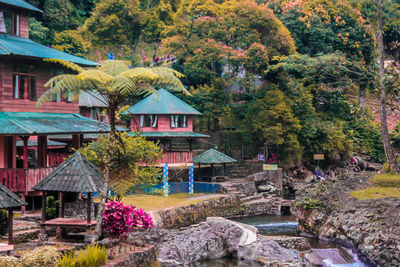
x,y
119,220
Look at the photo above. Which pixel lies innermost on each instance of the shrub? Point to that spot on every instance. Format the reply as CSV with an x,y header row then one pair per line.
x,y
386,167
3,222
9,261
386,180
45,256
52,208
92,256
120,220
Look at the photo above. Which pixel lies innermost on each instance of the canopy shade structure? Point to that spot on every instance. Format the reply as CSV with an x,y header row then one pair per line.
x,y
92,99
75,174
34,143
36,123
20,4
17,46
162,135
213,156
9,200
162,103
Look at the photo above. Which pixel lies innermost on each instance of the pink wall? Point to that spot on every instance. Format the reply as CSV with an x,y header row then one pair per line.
x,y
42,72
8,152
163,125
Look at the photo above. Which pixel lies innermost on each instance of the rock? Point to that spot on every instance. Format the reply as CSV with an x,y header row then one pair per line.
x,y
292,242
217,238
266,188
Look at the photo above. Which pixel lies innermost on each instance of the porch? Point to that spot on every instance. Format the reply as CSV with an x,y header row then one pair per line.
x,y
21,180
184,157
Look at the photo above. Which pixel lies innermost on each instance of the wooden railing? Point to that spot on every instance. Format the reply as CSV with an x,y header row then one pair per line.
x,y
22,180
55,159
177,157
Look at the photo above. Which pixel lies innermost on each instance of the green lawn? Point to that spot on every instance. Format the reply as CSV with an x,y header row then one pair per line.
x,y
383,185
376,192
155,202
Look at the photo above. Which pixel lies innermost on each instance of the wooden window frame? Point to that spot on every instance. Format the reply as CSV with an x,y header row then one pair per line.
x,y
27,87
15,27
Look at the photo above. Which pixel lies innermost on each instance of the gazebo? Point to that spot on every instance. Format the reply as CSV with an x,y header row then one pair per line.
x,y
74,175
9,201
213,157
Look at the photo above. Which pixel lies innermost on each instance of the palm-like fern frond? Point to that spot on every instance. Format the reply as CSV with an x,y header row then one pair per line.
x,y
169,79
65,63
64,84
95,76
114,67
141,75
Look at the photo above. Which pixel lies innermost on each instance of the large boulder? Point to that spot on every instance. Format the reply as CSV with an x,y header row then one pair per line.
x,y
217,238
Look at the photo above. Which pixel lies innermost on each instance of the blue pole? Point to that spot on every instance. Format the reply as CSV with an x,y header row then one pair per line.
x,y
165,179
191,185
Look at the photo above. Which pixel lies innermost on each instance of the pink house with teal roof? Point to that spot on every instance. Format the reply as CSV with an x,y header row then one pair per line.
x,y
166,119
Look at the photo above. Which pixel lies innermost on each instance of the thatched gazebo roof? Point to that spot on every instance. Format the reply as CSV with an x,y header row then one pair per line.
x,y
75,174
213,156
9,200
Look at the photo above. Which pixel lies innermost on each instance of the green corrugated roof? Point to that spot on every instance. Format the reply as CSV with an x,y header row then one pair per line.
x,y
12,45
21,4
33,143
171,134
75,174
33,123
213,156
162,103
9,200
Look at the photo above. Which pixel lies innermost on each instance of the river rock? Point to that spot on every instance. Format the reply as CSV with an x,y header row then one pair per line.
x,y
219,237
292,242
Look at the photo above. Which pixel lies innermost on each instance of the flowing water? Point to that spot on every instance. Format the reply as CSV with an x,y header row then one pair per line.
x,y
280,225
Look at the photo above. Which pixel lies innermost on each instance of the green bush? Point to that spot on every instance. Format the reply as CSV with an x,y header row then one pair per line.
x,y
52,208
386,167
3,222
386,180
9,261
45,256
92,256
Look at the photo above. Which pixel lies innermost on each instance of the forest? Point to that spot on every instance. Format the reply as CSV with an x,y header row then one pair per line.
x,y
289,77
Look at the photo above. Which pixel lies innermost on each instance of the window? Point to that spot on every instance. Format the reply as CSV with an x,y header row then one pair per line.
x,y
24,82
9,23
58,97
148,121
178,121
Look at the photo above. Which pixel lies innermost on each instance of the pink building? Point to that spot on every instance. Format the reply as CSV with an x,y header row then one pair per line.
x,y
168,120
27,154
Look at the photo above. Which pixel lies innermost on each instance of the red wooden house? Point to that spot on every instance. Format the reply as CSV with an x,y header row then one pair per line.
x,y
168,120
24,129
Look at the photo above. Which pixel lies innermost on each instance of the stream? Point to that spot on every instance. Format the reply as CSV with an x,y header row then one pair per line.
x,y
282,225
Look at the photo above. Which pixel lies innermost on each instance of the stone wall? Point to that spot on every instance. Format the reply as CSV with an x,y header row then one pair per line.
x,y
142,257
247,188
228,207
78,209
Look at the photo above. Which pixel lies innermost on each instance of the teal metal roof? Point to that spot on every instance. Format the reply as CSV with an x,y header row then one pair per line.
x,y
92,99
34,143
34,123
12,45
213,156
21,4
170,134
162,103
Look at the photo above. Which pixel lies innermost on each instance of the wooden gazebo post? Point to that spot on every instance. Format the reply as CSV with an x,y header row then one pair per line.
x,y
9,201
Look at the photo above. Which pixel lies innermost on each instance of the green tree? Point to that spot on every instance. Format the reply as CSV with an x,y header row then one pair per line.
x,y
271,119
71,41
114,81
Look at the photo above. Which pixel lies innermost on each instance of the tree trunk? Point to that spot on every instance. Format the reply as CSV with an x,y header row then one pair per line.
x,y
362,96
104,195
385,131
133,50
111,114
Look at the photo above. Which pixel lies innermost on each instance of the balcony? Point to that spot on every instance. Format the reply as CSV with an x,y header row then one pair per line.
x,y
177,158
22,180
